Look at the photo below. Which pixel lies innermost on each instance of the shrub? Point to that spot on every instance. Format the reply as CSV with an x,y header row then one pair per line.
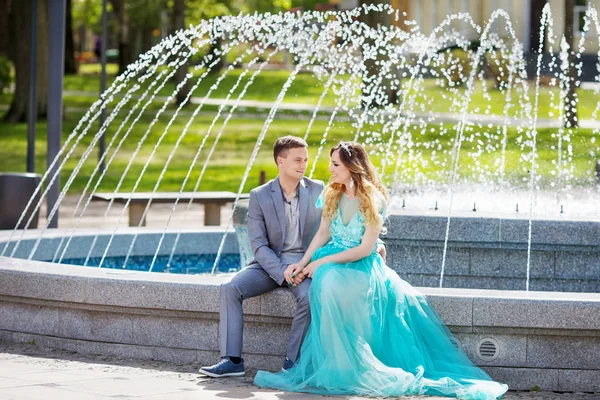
x,y
455,67
497,67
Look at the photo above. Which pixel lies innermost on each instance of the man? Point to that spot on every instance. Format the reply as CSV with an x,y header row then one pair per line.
x,y
282,221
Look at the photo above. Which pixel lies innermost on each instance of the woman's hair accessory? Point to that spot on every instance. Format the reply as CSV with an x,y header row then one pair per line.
x,y
346,148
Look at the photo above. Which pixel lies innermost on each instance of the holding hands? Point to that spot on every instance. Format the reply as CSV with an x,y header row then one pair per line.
x,y
310,269
294,274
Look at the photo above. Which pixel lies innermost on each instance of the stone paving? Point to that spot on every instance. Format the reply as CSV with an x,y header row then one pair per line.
x,y
30,372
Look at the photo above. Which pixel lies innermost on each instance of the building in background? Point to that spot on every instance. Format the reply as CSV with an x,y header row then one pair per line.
x,y
525,17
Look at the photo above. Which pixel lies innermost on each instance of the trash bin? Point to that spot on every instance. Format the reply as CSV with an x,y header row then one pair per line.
x,y
15,191
240,224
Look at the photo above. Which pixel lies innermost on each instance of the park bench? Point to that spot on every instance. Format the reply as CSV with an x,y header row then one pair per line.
x,y
213,201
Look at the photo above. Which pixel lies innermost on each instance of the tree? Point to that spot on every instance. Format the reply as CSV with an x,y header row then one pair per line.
x,y
70,63
570,102
19,27
272,6
145,17
124,39
374,65
4,14
178,22
87,17
199,10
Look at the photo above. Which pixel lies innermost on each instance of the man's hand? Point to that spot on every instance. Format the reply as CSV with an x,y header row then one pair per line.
x,y
382,252
288,274
299,277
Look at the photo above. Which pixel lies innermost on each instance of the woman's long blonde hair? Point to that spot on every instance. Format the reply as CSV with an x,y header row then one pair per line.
x,y
369,189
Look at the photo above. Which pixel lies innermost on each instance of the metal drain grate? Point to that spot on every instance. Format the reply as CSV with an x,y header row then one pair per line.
x,y
487,349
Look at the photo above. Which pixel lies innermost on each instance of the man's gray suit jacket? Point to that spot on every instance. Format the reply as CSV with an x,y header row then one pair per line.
x,y
266,223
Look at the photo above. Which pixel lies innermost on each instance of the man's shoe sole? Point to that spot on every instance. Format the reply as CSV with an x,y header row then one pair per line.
x,y
212,375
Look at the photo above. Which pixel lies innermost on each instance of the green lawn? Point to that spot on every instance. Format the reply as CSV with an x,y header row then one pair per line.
x,y
307,88
488,100
232,154
427,161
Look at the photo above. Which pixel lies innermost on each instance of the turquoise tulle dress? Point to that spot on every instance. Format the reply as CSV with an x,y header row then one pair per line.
x,y
373,334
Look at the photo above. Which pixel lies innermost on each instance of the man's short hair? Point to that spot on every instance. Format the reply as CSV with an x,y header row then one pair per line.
x,y
285,143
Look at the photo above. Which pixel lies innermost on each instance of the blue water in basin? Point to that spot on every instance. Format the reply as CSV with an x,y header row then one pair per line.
x,y
181,264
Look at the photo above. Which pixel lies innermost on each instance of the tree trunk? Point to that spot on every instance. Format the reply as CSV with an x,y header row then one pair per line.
x,y
4,26
82,37
216,49
147,39
120,11
20,28
70,63
535,21
135,43
570,104
374,66
178,22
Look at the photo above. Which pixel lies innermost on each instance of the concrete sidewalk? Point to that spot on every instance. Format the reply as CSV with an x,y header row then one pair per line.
x,y
30,372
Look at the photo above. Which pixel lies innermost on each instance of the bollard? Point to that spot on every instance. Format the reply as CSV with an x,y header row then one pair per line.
x,y
263,178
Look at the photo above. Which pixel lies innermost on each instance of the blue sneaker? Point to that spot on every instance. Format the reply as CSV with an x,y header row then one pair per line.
x,y
287,364
223,368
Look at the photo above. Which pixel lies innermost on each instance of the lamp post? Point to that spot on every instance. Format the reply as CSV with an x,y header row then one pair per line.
x,y
56,68
102,142
32,117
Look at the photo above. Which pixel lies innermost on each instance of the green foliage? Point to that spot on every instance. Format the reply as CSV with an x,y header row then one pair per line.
x,y
198,10
5,73
88,13
306,4
145,13
272,6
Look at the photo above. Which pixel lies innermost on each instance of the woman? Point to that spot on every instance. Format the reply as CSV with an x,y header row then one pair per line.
x,y
371,333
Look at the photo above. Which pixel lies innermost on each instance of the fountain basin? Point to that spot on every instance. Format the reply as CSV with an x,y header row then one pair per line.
x,y
545,339
490,251
526,339
193,242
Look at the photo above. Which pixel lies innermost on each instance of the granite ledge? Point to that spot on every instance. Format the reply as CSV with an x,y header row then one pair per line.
x,y
200,293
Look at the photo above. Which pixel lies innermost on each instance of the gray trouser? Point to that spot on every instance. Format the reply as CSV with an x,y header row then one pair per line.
x,y
254,281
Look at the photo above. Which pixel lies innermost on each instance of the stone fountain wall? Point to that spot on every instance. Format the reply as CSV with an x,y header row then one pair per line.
x,y
548,340
491,253
526,339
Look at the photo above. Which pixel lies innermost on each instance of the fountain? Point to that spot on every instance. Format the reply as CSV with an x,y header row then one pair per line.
x,y
494,214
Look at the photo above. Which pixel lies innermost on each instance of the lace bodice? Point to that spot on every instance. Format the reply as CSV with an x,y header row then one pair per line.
x,y
348,234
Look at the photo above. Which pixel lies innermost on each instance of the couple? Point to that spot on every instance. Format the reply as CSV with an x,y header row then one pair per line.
x,y
359,329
